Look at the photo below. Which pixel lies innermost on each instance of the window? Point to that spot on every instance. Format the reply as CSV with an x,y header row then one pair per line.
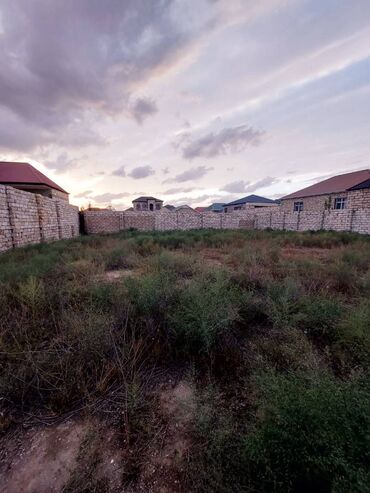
x,y
225,209
151,207
237,208
298,207
340,203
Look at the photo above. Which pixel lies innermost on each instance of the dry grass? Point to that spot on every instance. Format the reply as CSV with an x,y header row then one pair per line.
x,y
93,328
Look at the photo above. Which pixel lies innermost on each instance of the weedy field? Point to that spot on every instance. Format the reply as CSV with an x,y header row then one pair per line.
x,y
199,361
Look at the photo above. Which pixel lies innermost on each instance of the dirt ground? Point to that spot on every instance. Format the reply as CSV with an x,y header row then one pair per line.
x,y
45,459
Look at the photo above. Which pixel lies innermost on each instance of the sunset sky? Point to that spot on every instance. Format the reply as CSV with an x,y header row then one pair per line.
x,y
192,101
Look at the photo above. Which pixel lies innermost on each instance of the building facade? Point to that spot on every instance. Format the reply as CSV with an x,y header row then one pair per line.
x,y
347,191
147,204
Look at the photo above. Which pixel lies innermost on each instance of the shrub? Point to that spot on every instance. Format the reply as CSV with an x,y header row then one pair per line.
x,y
283,302
152,295
312,435
319,316
207,307
352,346
122,257
285,351
177,264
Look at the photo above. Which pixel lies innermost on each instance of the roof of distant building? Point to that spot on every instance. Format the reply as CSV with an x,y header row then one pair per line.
x,y
185,206
200,209
25,174
336,184
169,207
251,199
216,207
145,198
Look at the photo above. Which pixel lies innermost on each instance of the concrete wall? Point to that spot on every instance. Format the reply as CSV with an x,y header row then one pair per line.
x,y
27,218
274,218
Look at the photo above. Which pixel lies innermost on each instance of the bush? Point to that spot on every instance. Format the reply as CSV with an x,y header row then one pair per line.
x,y
312,435
207,307
352,347
283,302
319,316
152,295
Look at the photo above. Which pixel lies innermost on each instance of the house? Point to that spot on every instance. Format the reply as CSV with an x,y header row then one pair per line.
x,y
216,207
169,207
200,209
147,204
346,191
24,176
249,202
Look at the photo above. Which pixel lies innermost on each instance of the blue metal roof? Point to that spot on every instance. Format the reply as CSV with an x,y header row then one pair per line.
x,y
216,207
255,199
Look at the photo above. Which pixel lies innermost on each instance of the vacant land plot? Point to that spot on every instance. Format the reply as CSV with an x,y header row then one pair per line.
x,y
201,361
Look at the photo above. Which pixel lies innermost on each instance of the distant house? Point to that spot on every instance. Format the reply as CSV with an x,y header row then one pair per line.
x,y
184,208
24,176
169,207
147,204
250,202
216,207
346,191
200,209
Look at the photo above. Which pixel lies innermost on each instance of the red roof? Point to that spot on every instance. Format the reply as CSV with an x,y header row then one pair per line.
x,y
24,173
336,184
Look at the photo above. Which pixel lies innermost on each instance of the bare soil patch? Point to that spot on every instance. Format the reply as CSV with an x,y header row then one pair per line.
x,y
162,472
41,460
306,253
116,275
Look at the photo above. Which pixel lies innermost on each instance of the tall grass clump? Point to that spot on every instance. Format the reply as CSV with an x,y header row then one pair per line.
x,y
207,308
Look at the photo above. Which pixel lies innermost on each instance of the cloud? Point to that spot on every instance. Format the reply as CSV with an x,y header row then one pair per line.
x,y
107,197
119,171
84,194
81,62
141,172
142,108
248,187
227,141
62,163
264,182
166,170
236,186
190,174
173,191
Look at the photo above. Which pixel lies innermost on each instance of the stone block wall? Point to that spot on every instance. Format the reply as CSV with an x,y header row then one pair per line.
x,y
27,218
342,220
6,240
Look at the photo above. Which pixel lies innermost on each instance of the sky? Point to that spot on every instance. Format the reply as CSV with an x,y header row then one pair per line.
x,y
191,101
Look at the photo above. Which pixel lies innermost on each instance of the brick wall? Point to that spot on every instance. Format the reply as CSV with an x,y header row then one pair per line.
x,y
27,218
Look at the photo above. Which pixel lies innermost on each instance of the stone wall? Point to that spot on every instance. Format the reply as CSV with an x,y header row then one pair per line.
x,y
27,218
276,218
